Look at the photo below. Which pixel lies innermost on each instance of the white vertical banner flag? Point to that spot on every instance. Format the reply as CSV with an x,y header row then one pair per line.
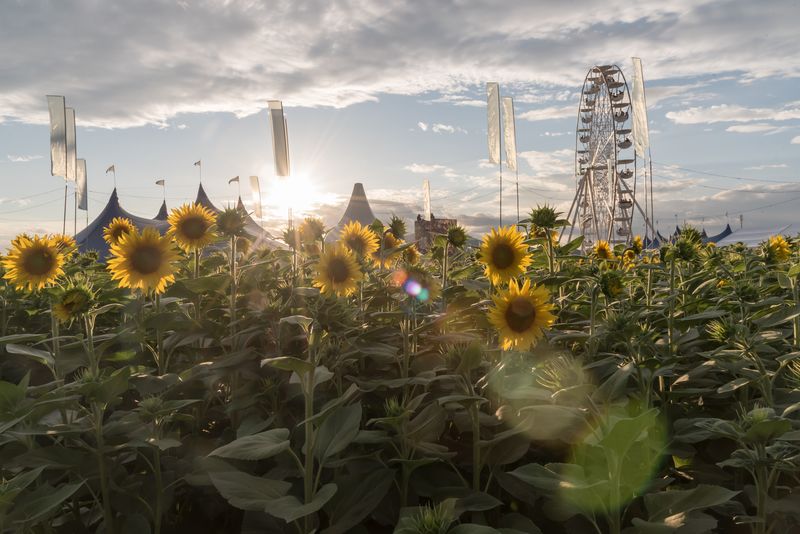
x,y
72,149
255,189
641,132
280,138
509,133
80,186
426,191
58,135
493,114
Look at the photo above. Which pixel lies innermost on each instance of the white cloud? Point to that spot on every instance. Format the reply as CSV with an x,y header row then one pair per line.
x,y
170,58
443,128
796,140
733,113
559,162
23,158
756,127
549,113
422,168
767,166
422,126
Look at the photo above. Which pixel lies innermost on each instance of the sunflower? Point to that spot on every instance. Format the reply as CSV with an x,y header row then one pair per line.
x,y
66,244
456,236
192,226
312,230
359,239
629,258
73,302
118,227
411,255
383,258
143,261
33,262
231,222
602,250
777,249
637,245
243,245
521,314
504,253
337,271
611,283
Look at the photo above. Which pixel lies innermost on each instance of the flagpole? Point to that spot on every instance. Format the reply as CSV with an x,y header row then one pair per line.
x,y
500,159
516,172
75,220
64,222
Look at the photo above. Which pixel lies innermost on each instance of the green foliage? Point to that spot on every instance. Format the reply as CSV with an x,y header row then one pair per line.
x,y
665,398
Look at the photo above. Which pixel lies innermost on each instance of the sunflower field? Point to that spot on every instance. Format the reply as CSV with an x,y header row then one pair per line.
x,y
196,382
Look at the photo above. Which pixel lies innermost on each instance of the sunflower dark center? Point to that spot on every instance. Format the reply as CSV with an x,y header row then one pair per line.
x,y
339,270
503,256
38,262
520,314
146,259
194,227
356,245
118,232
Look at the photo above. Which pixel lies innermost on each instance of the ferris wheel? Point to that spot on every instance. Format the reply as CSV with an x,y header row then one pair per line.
x,y
605,161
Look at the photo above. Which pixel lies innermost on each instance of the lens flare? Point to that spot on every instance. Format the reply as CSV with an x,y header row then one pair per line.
x,y
413,284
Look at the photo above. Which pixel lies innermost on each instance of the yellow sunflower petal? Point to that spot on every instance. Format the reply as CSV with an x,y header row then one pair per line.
x,y
144,261
504,254
192,226
521,314
118,227
33,262
337,272
361,240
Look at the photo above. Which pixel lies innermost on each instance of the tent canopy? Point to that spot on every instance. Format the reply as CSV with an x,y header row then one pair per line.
x,y
358,209
722,235
756,236
162,212
91,237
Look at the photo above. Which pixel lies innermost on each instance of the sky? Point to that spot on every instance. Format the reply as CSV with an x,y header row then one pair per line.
x,y
392,93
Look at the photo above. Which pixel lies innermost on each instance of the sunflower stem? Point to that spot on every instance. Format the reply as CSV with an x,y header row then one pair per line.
x,y
54,329
476,446
592,317
671,310
159,339
105,490
233,286
795,321
444,275
308,468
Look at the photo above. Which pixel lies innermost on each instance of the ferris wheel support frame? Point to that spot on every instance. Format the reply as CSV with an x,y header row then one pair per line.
x,y
604,109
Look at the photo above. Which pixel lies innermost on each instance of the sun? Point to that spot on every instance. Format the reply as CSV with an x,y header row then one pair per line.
x,y
298,193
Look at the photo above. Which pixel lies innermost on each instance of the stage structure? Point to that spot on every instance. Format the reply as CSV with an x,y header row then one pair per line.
x,y
607,195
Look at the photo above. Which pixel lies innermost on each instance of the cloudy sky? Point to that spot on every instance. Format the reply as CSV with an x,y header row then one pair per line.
x,y
391,93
